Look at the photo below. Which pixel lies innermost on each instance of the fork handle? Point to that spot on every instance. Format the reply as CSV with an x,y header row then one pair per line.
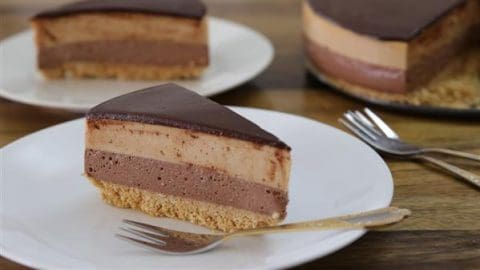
x,y
466,175
452,153
379,217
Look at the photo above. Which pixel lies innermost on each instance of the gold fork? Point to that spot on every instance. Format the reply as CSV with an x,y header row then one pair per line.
x,y
174,242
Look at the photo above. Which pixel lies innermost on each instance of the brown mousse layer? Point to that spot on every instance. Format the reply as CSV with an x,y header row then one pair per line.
x,y
125,52
189,181
355,71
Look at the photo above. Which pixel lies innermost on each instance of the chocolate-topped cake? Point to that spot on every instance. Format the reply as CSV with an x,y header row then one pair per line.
x,y
170,152
388,48
127,39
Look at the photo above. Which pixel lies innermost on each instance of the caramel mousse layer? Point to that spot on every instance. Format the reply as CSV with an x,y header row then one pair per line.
x,y
119,26
125,52
189,181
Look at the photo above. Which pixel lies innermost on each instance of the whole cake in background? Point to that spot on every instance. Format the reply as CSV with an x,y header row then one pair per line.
x,y
168,151
419,52
124,39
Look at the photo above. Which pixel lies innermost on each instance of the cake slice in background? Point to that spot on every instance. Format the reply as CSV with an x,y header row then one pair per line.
x,y
125,39
396,50
170,152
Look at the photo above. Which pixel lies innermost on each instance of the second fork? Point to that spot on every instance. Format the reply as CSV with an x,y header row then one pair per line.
x,y
374,131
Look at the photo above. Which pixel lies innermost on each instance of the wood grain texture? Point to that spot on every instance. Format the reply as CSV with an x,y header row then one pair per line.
x,y
444,230
433,250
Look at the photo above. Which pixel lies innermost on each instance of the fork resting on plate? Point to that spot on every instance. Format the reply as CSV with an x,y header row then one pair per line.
x,y
174,242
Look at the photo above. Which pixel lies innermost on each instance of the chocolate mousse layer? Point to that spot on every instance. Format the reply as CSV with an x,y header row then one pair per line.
x,y
125,52
355,71
189,181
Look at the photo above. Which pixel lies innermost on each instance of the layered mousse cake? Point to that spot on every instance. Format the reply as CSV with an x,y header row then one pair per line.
x,y
394,49
126,39
168,151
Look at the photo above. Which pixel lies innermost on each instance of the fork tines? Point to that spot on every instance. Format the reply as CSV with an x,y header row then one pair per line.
x,y
167,241
150,236
368,126
381,125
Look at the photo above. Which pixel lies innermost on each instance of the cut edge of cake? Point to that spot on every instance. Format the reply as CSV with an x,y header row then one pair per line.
x,y
396,80
203,175
130,40
438,64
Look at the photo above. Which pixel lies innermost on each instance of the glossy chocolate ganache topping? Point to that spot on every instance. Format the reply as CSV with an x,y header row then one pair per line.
x,y
385,19
175,106
182,8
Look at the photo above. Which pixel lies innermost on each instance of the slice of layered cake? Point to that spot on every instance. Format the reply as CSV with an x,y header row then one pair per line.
x,y
127,39
170,152
389,48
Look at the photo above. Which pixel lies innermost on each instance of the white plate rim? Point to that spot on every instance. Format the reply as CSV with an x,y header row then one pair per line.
x,y
334,242
10,95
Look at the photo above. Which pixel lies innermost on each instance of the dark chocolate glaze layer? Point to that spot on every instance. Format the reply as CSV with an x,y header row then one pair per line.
x,y
385,19
173,105
181,8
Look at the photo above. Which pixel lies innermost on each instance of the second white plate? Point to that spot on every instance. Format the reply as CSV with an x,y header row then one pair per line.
x,y
237,53
53,218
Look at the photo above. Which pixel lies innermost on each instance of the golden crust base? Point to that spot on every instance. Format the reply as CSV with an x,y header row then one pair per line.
x,y
122,71
216,217
456,86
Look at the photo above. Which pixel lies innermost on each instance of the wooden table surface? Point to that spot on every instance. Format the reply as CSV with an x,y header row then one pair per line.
x,y
444,230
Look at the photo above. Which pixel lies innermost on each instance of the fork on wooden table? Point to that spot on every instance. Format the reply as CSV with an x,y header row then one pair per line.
x,y
369,127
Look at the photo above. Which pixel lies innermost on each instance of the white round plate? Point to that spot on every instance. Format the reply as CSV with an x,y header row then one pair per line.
x,y
53,218
237,54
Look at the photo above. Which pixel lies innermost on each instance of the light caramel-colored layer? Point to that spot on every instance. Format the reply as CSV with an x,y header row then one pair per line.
x,y
118,26
122,71
391,54
222,218
240,159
